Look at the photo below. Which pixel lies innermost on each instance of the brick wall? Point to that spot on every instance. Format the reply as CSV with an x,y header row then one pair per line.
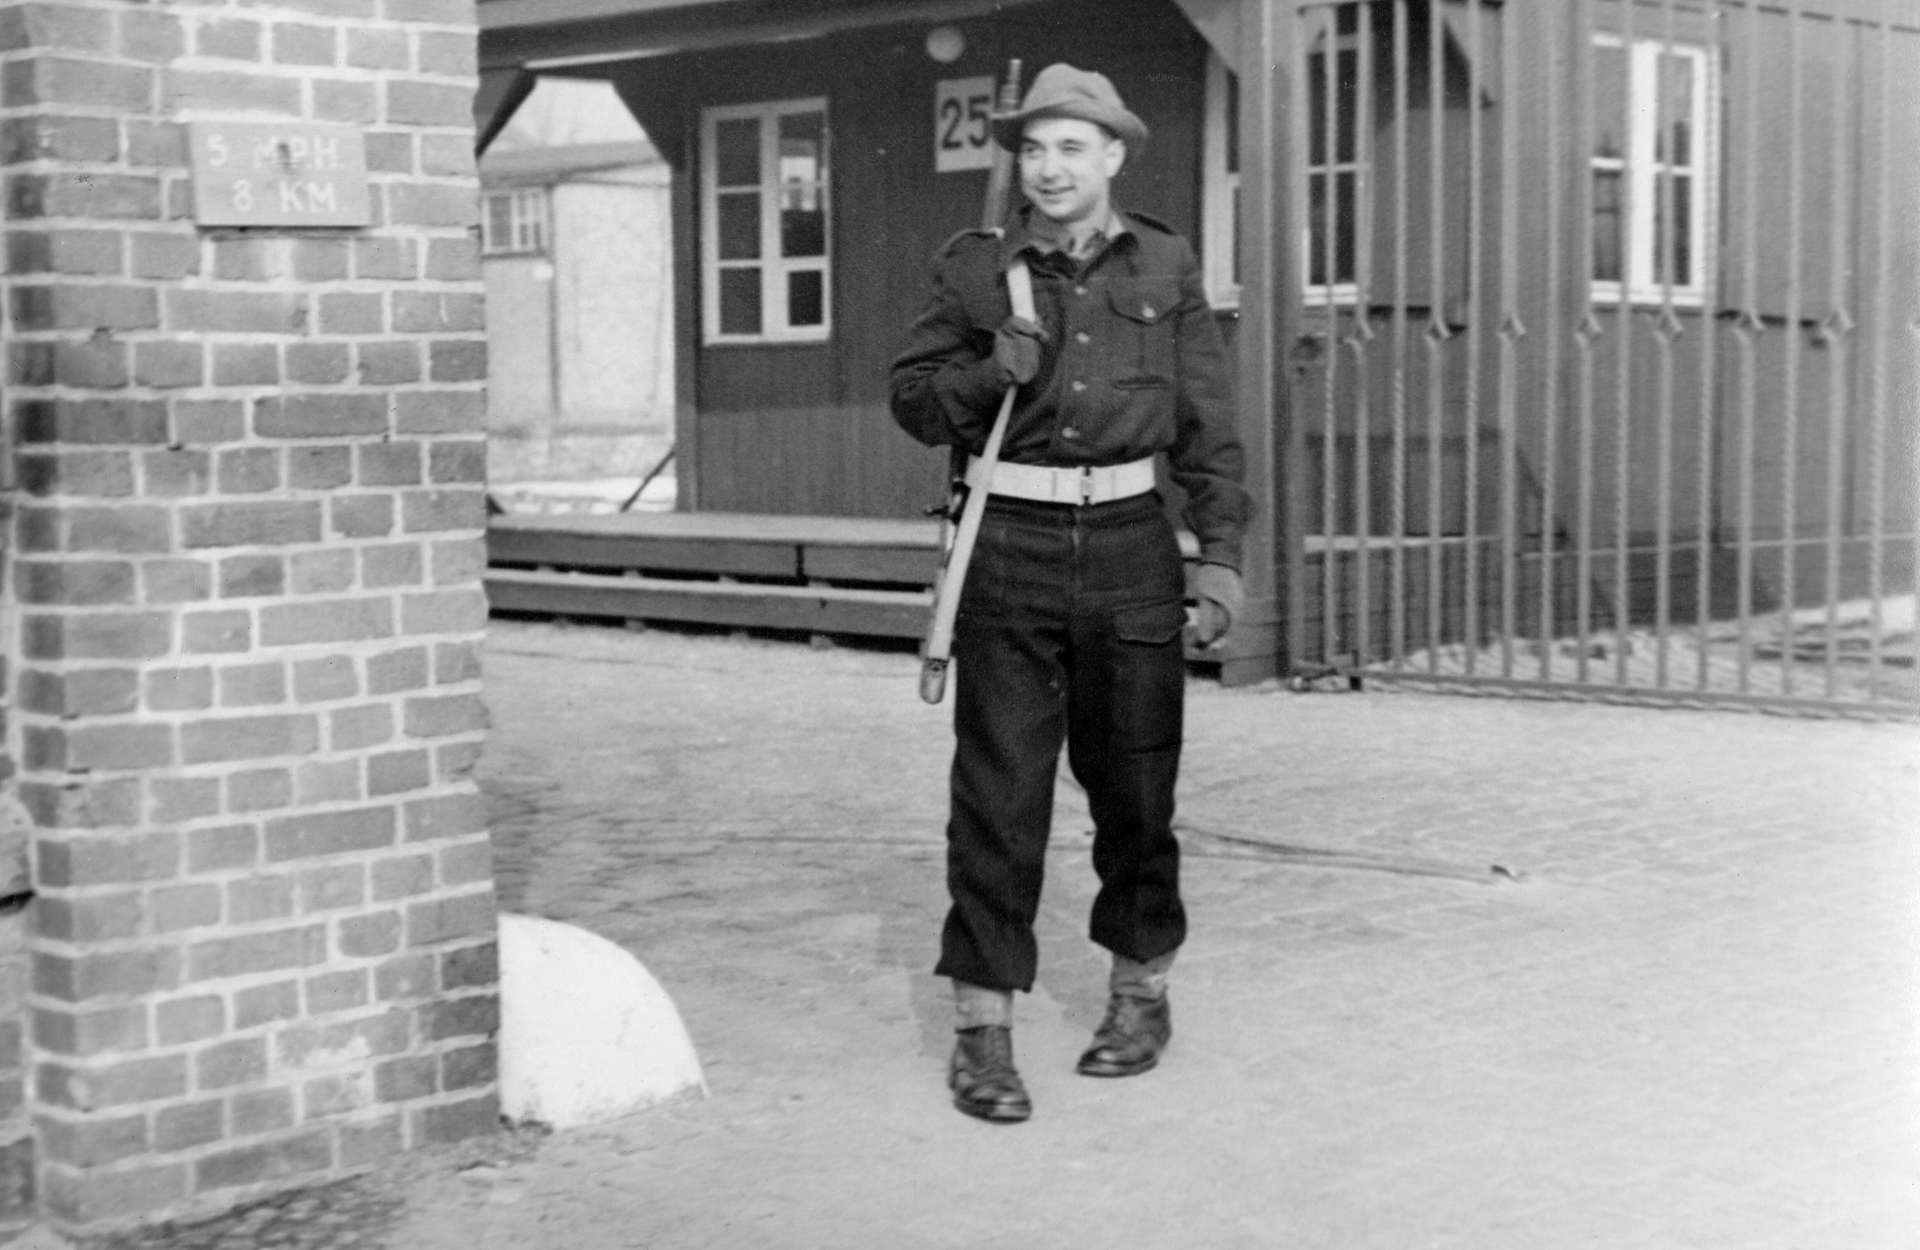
x,y
248,470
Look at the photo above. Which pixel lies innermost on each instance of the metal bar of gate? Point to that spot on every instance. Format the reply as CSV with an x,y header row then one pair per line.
x,y
1588,334
1397,520
1623,369
1655,697
1880,326
1509,335
1750,327
1913,481
1437,331
1329,218
1790,390
1708,418
1281,201
1667,251
1556,50
1476,334
1843,70
1362,341
1913,346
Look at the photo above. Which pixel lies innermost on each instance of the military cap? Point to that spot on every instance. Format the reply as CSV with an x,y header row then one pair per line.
x,y
1060,90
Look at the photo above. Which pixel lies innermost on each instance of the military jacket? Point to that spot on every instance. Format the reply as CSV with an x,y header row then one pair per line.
x,y
1133,366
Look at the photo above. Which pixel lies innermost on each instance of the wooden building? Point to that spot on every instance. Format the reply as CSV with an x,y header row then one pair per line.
x,y
1547,314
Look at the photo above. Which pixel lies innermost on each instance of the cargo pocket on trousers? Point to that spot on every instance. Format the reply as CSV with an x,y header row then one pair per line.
x,y
1155,624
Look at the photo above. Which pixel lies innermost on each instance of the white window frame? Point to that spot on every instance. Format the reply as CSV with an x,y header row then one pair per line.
x,y
1220,188
773,267
1643,170
1336,294
528,223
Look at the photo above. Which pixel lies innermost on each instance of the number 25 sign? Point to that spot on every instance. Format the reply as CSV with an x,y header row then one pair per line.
x,y
961,136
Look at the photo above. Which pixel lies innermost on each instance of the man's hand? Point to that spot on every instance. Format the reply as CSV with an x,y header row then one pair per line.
x,y
1016,349
1221,596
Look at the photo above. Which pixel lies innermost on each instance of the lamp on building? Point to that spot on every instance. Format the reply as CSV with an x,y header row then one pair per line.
x,y
945,44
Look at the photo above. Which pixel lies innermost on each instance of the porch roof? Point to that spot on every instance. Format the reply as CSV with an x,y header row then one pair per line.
x,y
560,36
522,38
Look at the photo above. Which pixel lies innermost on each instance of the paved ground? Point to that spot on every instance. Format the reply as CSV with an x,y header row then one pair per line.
x,y
1681,1013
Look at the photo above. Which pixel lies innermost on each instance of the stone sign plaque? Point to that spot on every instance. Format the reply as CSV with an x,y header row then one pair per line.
x,y
279,174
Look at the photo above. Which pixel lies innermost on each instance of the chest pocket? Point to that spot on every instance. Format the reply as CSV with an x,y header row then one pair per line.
x,y
1144,330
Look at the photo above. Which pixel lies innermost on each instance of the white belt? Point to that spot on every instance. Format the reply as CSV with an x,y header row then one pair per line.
x,y
1086,485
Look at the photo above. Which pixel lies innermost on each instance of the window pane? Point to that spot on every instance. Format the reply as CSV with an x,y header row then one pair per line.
x,y
740,301
803,136
1317,230
740,226
806,298
1316,108
1610,102
1346,103
1608,224
1674,258
1236,234
1676,111
1233,122
803,174
1346,124
499,223
737,149
529,234
803,233
1345,189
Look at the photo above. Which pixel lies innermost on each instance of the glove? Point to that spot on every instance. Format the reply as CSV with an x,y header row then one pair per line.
x,y
1221,595
1016,349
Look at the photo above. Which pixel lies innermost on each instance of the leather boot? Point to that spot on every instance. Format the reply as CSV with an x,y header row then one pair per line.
x,y
982,1076
1129,1041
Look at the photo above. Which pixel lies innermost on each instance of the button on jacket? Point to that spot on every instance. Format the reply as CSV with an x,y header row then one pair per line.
x,y
1133,365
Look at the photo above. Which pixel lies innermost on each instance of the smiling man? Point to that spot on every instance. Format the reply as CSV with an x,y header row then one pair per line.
x,y
1071,618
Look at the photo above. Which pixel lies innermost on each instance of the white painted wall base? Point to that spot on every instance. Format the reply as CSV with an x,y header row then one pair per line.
x,y
586,1033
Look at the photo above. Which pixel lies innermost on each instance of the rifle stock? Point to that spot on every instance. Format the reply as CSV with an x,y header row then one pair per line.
x,y
933,667
953,574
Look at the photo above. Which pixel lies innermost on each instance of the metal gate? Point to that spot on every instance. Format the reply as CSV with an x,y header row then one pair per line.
x,y
1602,379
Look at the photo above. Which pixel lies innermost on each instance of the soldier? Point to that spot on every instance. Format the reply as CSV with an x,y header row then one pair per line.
x,y
1071,619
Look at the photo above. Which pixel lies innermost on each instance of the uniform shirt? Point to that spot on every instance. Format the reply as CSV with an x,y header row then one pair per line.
x,y
1133,364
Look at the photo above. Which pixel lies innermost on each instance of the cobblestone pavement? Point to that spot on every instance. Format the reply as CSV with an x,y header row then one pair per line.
x,y
1473,973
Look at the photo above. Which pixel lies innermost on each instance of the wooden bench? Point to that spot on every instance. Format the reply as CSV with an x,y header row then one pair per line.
x,y
819,575
822,575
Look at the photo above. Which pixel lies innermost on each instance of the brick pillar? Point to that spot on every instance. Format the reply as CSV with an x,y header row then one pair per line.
x,y
247,605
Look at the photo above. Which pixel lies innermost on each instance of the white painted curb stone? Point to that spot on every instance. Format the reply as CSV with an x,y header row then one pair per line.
x,y
586,1033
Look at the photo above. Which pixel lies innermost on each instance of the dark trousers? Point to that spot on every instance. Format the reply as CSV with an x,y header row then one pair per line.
x,y
1069,628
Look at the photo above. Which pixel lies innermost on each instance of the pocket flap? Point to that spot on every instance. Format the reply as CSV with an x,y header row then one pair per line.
x,y
1145,300
1150,622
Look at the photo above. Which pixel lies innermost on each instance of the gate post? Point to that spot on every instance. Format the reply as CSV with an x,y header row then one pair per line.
x,y
247,608
1268,642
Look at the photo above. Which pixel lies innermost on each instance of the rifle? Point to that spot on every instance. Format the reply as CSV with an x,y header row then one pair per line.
x,y
1000,179
969,505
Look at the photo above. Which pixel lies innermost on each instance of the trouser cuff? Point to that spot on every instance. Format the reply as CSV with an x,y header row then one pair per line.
x,y
1132,978
976,1005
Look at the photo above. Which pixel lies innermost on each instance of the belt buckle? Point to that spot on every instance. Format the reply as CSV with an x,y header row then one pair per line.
x,y
1086,485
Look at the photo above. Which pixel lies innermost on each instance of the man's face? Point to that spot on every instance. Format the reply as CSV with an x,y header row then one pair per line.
x,y
1067,166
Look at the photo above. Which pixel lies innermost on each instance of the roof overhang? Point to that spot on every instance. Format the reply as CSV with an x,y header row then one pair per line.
x,y
575,36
